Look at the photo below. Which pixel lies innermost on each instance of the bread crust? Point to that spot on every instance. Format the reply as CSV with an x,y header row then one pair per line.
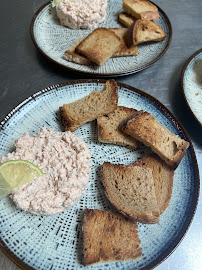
x,y
66,120
145,128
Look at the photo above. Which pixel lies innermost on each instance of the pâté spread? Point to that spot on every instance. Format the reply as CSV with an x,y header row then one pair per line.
x,y
77,14
65,161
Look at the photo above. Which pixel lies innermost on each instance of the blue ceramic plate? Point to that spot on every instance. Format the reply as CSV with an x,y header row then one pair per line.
x,y
55,242
192,84
53,39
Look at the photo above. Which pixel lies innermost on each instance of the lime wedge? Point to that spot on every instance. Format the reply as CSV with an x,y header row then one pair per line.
x,y
55,2
16,173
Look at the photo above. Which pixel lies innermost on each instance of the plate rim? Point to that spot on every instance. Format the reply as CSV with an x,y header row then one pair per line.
x,y
179,126
117,74
182,82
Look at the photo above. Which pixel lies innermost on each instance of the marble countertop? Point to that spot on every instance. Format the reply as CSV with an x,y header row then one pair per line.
x,y
24,71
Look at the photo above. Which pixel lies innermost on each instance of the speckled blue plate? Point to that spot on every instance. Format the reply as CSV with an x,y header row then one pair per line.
x,y
55,242
191,81
53,39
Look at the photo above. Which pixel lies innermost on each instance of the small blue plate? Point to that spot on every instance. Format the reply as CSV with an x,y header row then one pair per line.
x,y
55,242
53,39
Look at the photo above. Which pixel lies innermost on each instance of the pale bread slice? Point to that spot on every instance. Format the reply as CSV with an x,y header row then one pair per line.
x,y
126,19
109,236
163,178
143,31
90,107
124,49
141,9
72,56
131,190
108,128
145,128
99,46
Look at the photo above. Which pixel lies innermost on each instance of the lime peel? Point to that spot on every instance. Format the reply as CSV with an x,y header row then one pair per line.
x,y
15,174
55,3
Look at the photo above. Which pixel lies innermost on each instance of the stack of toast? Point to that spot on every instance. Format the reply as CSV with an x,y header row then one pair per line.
x,y
138,17
99,46
104,43
140,192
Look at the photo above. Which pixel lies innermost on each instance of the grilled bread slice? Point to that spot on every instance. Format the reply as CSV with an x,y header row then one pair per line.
x,y
145,128
131,190
126,19
99,46
141,9
72,56
109,236
76,114
108,128
124,49
163,178
142,31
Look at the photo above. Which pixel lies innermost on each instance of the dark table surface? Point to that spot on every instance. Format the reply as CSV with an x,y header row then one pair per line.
x,y
24,71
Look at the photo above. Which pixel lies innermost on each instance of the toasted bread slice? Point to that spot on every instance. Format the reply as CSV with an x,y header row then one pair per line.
x,y
109,236
108,128
143,31
76,114
126,19
131,190
124,49
72,56
163,178
141,9
99,46
145,128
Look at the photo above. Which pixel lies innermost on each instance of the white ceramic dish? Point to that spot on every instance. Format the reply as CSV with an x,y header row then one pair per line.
x,y
191,82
